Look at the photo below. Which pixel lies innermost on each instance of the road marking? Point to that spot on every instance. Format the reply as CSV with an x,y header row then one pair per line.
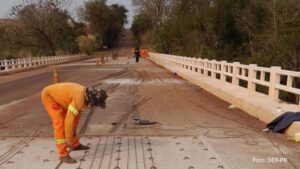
x,y
79,64
140,82
12,103
18,101
90,70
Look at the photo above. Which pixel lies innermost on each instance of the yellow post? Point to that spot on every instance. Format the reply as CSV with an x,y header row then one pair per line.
x,y
55,75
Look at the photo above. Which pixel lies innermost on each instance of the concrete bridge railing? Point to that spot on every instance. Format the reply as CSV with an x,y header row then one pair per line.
x,y
240,85
273,79
15,65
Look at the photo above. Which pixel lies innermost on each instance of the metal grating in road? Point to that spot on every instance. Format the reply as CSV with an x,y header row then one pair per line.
x,y
113,152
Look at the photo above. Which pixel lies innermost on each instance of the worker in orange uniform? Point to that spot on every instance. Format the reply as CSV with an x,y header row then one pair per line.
x,y
64,103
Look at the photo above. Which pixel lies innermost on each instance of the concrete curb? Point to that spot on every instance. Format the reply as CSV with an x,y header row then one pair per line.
x,y
255,104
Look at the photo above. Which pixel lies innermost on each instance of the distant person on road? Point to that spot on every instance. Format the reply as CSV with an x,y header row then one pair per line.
x,y
64,103
137,54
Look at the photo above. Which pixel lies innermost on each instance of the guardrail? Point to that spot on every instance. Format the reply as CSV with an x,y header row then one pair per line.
x,y
274,79
27,63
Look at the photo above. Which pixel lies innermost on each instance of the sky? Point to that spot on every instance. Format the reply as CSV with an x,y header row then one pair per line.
x,y
5,6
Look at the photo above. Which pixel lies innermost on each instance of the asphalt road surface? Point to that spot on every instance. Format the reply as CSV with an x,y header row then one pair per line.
x,y
149,92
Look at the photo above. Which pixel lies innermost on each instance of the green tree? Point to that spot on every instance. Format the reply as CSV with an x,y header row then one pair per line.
x,y
45,22
87,44
141,24
249,31
106,22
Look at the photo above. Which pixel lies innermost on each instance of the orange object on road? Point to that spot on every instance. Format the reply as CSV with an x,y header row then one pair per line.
x,y
143,53
64,102
146,53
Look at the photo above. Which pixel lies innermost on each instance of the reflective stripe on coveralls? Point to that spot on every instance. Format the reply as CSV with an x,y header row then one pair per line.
x,y
60,141
73,110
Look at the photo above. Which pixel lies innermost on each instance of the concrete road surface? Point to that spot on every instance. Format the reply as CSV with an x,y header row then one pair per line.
x,y
192,129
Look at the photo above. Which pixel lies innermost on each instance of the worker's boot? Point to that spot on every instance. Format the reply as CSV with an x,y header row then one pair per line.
x,y
81,147
67,159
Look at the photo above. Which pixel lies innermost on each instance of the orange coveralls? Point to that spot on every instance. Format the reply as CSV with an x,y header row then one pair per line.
x,y
64,102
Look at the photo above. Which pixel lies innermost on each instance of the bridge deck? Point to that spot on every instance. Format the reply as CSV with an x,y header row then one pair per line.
x,y
142,90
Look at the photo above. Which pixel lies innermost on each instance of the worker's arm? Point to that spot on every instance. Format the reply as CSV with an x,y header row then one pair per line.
x,y
69,121
74,110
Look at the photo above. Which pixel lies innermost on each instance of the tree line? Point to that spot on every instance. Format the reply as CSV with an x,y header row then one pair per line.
x,y
249,31
45,27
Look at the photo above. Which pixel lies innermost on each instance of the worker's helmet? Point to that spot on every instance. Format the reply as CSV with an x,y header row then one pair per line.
x,y
95,97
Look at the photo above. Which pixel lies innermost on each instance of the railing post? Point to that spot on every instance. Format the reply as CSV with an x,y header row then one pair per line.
x,y
235,80
205,67
25,62
289,82
13,63
190,63
41,61
251,76
34,61
274,80
214,69
5,64
223,70
199,65
30,62
18,63
194,65
21,61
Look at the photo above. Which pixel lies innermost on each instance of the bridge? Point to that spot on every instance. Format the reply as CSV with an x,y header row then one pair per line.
x,y
206,118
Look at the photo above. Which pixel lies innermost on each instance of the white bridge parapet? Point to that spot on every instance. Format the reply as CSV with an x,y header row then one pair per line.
x,y
233,73
15,65
240,84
